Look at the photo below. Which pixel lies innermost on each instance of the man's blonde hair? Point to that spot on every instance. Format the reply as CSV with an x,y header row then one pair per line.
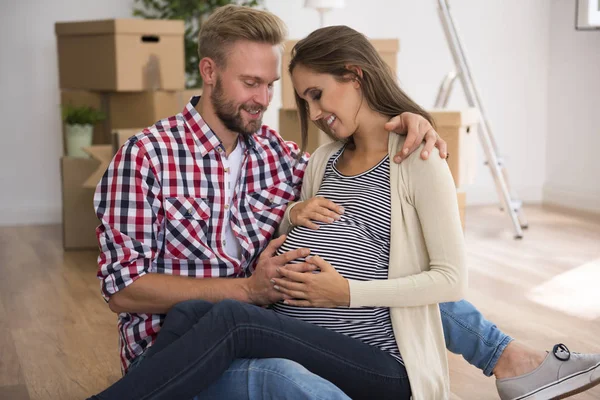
x,y
231,23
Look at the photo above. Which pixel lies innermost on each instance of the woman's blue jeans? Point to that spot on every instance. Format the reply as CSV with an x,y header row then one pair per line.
x,y
199,341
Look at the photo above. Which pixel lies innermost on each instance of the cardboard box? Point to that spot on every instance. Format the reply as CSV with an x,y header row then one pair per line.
x,y
120,136
459,129
387,48
135,110
121,54
78,216
461,197
132,110
289,129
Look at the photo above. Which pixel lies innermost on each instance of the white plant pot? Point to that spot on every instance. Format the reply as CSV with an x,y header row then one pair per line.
x,y
79,136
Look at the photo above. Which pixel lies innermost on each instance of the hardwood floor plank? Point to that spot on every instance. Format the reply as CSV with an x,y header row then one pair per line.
x,y
14,392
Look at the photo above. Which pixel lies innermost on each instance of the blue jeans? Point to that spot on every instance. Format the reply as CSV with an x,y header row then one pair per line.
x,y
469,334
199,341
466,332
267,379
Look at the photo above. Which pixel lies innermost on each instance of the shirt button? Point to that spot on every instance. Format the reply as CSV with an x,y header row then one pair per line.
x,y
224,243
227,206
226,170
190,211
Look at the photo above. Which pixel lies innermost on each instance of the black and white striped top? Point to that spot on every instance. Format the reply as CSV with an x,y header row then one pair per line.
x,y
357,246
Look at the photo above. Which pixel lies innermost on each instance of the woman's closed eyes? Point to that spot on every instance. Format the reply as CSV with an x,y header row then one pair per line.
x,y
315,95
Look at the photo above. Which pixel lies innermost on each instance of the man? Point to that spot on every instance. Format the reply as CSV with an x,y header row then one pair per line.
x,y
196,198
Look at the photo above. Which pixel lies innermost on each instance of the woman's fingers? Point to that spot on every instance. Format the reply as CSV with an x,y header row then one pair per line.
x,y
286,284
295,294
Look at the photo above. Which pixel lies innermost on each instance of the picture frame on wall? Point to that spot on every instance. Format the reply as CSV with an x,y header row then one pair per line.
x,y
587,15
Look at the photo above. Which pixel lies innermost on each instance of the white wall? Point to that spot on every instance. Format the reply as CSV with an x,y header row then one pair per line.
x,y
29,103
506,41
573,145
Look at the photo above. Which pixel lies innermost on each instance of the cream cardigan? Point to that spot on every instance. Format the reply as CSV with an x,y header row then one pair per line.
x,y
427,261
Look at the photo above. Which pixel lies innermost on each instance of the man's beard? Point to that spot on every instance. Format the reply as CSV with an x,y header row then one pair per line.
x,y
231,115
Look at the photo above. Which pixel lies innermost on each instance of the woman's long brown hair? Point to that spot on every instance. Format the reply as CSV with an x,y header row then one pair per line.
x,y
332,50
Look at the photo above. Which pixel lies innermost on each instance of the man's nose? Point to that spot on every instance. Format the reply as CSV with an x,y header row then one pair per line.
x,y
263,97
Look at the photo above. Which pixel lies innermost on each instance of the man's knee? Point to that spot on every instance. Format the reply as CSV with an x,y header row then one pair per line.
x,y
278,378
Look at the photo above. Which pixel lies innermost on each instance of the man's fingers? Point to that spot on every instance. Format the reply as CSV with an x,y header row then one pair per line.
x,y
297,303
430,139
395,125
273,245
413,139
442,147
291,255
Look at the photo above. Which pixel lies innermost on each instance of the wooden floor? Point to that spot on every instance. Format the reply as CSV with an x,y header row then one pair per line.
x,y
58,339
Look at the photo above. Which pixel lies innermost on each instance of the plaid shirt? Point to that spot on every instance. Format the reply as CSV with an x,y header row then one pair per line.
x,y
162,207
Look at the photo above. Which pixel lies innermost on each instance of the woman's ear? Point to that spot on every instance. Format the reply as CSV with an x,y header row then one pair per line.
x,y
356,72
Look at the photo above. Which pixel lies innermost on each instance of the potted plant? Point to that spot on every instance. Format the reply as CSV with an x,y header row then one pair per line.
x,y
193,13
79,127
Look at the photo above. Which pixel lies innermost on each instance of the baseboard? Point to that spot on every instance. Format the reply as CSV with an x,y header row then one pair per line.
x,y
31,216
571,198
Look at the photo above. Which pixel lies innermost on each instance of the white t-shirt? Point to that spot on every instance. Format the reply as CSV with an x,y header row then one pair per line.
x,y
232,164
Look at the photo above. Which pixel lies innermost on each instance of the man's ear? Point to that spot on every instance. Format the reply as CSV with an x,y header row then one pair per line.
x,y
208,70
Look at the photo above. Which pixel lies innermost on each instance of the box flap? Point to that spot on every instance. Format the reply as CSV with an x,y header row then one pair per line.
x,y
120,26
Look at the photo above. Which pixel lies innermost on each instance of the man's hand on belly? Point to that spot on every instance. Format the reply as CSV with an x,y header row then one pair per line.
x,y
259,286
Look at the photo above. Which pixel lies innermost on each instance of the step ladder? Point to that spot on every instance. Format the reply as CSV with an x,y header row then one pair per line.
x,y
508,199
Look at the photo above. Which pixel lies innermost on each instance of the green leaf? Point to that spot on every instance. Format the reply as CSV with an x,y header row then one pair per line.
x,y
83,115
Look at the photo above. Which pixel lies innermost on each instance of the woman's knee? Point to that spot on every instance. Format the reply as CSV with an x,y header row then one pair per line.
x,y
191,309
234,311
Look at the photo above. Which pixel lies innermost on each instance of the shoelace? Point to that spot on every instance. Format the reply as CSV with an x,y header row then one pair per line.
x,y
561,352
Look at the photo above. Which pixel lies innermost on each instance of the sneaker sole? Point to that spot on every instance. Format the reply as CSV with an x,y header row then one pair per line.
x,y
567,387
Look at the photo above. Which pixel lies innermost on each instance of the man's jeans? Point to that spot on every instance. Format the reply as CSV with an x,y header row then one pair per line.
x,y
472,336
270,378
466,331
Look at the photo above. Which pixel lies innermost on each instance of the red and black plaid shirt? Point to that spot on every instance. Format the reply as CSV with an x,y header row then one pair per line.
x,y
161,204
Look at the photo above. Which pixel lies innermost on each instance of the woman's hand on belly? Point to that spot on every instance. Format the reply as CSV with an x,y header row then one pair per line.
x,y
316,209
326,289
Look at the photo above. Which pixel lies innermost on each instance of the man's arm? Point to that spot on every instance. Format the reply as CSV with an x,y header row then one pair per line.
x,y
157,293
416,128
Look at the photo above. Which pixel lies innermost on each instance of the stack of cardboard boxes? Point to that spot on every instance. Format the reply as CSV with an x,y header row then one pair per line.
x,y
459,129
131,69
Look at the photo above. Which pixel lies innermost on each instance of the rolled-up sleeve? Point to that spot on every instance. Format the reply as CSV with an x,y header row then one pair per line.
x,y
128,205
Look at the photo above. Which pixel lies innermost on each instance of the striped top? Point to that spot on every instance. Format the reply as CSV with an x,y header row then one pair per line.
x,y
357,246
